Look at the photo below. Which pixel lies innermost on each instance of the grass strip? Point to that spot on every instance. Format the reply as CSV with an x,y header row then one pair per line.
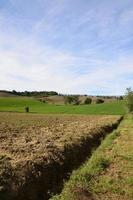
x,y
18,104
79,187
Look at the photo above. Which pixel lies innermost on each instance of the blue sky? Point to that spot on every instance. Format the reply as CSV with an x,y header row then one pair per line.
x,y
78,46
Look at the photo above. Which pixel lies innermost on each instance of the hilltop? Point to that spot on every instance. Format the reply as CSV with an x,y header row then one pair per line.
x,y
4,93
53,97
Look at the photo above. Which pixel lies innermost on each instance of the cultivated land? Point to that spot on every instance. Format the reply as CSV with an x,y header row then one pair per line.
x,y
17,104
108,175
37,151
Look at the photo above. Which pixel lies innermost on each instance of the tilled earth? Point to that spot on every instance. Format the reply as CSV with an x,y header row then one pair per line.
x,y
32,146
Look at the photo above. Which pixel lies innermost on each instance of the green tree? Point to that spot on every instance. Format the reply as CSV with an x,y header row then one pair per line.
x,y
99,101
68,99
129,99
72,99
88,100
76,100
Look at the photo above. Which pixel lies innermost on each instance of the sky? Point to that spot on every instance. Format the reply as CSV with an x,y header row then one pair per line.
x,y
69,46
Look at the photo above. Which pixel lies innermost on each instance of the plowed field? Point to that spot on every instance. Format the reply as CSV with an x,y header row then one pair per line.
x,y
36,151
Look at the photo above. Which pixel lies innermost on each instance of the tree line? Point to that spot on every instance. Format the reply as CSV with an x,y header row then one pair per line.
x,y
35,93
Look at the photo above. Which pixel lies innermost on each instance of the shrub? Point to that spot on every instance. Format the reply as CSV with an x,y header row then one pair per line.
x,y
88,101
99,101
42,100
120,98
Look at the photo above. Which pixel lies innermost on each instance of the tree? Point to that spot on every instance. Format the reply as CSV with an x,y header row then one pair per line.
x,y
68,99
88,101
129,99
121,98
76,100
99,101
14,92
72,99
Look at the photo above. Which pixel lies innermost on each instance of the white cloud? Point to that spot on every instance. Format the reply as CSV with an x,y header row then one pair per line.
x,y
46,69
84,63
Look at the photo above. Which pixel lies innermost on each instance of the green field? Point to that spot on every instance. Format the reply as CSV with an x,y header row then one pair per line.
x,y
17,104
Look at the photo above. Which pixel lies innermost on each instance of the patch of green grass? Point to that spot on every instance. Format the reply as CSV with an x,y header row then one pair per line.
x,y
18,104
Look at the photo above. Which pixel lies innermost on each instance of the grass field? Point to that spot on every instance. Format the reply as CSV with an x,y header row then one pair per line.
x,y
17,104
108,175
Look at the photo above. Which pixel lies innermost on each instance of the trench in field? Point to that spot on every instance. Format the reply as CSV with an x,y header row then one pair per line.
x,y
55,172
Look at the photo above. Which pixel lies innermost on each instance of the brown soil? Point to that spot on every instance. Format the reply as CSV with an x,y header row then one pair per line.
x,y
38,151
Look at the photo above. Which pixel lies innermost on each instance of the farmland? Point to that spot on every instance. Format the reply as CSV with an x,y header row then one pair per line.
x,y
37,151
66,100
108,174
17,104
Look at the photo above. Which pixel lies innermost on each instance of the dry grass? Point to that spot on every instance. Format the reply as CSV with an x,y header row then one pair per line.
x,y
117,181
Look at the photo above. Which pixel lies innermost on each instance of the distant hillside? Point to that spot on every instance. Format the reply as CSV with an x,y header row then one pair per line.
x,y
52,97
18,104
4,93
59,99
